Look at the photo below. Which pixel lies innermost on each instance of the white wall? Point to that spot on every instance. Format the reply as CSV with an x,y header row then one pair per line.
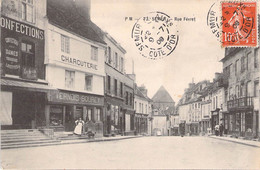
x,y
145,103
80,49
6,99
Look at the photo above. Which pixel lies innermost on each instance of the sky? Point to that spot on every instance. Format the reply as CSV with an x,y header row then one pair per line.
x,y
197,53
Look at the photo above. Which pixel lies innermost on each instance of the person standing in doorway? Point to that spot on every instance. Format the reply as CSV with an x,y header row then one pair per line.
x,y
79,127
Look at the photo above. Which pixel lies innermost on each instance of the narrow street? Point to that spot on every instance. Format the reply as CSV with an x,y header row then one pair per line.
x,y
141,153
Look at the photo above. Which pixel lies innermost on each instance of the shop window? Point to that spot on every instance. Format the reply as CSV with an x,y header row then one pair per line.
x,y
65,44
28,54
69,79
89,115
56,115
116,115
115,86
88,82
94,53
28,10
108,84
249,122
98,114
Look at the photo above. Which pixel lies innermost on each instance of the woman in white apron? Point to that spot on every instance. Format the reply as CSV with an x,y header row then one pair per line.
x,y
79,126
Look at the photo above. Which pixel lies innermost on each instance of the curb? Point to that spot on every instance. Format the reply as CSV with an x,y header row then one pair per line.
x,y
238,142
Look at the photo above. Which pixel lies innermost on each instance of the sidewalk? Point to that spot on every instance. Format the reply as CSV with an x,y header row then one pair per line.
x,y
101,139
237,140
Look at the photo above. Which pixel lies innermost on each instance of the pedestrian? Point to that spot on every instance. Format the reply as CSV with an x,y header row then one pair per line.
x,y
221,129
217,130
79,127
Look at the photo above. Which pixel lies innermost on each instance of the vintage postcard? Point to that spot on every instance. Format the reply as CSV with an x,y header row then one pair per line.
x,y
148,84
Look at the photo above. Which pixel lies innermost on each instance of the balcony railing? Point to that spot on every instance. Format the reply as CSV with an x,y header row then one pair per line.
x,y
240,103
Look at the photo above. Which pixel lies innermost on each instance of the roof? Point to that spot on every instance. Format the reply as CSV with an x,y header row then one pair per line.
x,y
140,94
162,96
65,14
30,86
103,34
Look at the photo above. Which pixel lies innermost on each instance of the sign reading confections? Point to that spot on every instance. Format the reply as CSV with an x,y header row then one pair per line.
x,y
75,98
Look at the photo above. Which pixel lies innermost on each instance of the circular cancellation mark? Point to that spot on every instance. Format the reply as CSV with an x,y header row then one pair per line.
x,y
154,35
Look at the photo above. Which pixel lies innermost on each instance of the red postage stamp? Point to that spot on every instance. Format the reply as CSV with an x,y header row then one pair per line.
x,y
239,24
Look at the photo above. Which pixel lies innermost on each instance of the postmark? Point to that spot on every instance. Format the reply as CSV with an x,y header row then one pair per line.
x,y
155,35
239,24
213,20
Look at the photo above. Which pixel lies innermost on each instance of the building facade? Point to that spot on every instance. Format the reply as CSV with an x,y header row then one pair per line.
x,y
241,66
163,109
77,55
24,87
141,105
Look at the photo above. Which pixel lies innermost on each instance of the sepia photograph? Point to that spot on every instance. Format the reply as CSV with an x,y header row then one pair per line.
x,y
128,84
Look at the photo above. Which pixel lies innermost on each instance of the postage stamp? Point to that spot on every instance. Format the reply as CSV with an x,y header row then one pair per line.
x,y
155,35
239,24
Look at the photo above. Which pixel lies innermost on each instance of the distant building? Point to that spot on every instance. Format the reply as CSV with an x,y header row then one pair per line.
x,y
141,110
163,108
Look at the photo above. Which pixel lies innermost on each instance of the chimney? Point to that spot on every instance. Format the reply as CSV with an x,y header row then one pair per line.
x,y
143,90
84,7
217,75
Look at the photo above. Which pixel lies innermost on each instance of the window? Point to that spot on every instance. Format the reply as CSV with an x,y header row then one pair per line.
x,y
98,114
216,101
247,59
131,99
236,67
256,58
242,64
140,107
146,109
121,89
256,88
69,79
126,98
135,105
108,84
116,60
122,65
109,55
65,44
94,53
88,82
237,91
28,11
89,114
28,54
115,90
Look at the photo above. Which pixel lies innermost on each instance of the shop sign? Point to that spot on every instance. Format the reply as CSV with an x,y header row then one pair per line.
x,y
29,73
75,98
79,63
21,28
10,55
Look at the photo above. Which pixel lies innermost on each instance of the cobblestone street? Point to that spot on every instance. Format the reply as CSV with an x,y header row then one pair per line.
x,y
145,152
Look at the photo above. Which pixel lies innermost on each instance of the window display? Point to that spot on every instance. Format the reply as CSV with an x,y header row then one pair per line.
x,y
56,116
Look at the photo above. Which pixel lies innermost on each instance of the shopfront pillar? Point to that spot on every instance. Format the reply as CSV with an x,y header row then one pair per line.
x,y
47,115
64,114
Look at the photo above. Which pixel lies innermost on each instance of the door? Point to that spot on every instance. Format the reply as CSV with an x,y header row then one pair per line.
x,y
69,120
108,125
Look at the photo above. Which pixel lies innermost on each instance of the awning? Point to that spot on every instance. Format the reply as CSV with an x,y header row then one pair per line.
x,y
7,84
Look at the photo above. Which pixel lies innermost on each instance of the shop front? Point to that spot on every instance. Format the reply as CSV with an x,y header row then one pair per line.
x,y
114,123
65,107
23,104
